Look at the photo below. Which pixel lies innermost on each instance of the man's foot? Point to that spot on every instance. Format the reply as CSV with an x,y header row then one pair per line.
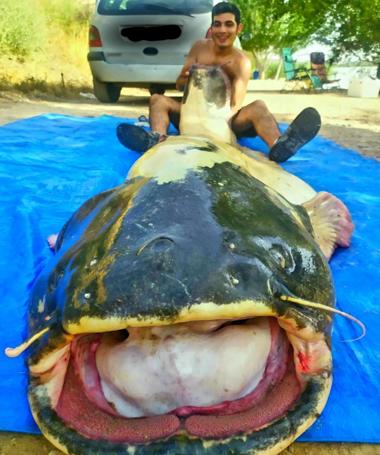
x,y
302,129
136,138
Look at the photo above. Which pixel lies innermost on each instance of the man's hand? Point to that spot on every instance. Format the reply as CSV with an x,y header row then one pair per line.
x,y
191,59
182,79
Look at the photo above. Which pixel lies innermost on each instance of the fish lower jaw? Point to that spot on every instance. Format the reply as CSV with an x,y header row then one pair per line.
x,y
79,398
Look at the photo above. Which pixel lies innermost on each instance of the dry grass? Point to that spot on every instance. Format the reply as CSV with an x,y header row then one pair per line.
x,y
44,76
58,69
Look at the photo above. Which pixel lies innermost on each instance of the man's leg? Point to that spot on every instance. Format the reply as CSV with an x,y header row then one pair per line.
x,y
255,119
161,110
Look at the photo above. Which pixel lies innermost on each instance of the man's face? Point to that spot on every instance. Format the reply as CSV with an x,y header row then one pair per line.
x,y
224,30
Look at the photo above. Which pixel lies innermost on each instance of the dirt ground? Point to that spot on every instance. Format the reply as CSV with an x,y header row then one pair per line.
x,y
352,122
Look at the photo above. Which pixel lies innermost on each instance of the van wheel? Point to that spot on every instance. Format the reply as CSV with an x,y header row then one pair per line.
x,y
106,92
156,89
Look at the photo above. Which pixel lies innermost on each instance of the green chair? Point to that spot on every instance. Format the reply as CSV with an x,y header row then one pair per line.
x,y
314,76
292,72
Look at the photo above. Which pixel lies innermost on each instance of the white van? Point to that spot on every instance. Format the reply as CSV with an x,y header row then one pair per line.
x,y
143,43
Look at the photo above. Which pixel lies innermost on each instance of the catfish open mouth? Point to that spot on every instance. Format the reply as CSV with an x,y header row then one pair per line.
x,y
208,379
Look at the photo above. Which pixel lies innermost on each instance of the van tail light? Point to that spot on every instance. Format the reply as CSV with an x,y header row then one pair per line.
x,y
94,39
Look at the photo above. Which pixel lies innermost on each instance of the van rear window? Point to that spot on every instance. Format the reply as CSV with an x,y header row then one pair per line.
x,y
134,7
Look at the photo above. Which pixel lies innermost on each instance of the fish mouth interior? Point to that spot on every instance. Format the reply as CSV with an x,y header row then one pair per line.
x,y
245,376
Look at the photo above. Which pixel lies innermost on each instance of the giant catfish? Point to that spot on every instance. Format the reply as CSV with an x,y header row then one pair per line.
x,y
186,311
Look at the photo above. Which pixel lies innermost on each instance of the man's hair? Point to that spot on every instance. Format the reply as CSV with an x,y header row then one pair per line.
x,y
225,7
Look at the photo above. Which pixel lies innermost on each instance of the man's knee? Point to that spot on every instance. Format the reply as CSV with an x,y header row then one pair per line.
x,y
258,106
157,100
250,113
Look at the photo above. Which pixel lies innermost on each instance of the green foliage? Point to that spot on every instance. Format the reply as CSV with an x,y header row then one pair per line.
x,y
22,31
271,71
353,27
349,26
279,23
270,25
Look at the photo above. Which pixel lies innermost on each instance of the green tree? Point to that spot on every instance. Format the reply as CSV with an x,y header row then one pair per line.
x,y
353,27
270,25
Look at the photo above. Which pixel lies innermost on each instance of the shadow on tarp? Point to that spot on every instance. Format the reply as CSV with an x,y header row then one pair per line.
x,y
50,164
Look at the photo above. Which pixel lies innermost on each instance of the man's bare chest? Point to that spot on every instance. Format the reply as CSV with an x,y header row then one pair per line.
x,y
211,60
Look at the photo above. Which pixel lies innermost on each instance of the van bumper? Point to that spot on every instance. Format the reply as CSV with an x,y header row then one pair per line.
x,y
133,74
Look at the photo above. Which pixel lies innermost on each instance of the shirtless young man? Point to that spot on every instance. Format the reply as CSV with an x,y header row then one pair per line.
x,y
251,120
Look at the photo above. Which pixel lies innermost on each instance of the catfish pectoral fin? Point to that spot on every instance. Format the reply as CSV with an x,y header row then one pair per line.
x,y
331,221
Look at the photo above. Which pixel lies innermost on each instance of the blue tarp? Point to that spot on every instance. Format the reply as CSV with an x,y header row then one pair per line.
x,y
50,164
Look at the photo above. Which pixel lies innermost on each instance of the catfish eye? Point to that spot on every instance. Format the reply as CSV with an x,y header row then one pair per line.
x,y
282,257
159,244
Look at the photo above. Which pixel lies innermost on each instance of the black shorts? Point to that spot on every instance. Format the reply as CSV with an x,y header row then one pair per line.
x,y
248,132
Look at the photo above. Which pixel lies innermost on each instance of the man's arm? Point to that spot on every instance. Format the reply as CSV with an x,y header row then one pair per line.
x,y
191,59
239,84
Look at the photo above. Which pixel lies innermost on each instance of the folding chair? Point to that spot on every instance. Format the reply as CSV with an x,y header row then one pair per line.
x,y
315,76
292,72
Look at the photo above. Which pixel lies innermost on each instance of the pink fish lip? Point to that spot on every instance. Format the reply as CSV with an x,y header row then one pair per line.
x,y
286,374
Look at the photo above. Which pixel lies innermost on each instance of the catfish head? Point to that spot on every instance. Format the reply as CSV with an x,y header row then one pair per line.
x,y
167,328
